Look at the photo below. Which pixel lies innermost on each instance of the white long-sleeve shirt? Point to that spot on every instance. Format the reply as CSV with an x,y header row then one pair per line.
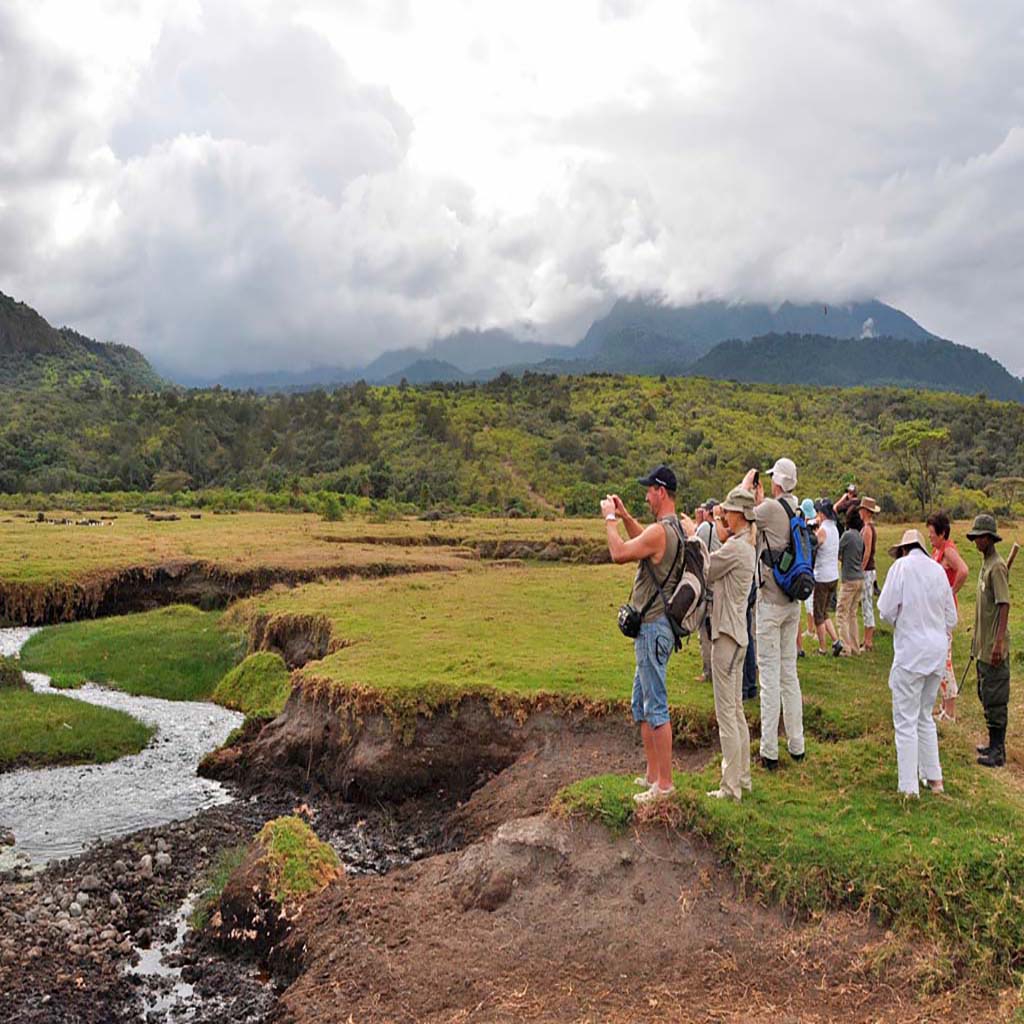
x,y
918,601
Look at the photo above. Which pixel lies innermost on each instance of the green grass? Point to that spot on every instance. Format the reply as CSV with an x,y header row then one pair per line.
x,y
10,675
258,687
38,729
178,653
297,862
535,632
220,871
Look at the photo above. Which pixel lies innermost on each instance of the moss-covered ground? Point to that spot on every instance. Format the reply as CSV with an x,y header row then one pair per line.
x,y
297,862
258,687
38,729
178,653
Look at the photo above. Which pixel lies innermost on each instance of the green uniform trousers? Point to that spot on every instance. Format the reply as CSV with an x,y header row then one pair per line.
x,y
994,692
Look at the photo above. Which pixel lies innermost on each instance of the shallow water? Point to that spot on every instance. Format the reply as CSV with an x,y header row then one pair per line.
x,y
57,812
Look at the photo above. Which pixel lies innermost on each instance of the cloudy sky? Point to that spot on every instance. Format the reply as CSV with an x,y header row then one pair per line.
x,y
262,185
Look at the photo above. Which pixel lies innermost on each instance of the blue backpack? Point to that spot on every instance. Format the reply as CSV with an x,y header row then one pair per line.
x,y
793,569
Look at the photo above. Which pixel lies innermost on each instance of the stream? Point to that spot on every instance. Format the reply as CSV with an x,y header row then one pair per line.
x,y
57,812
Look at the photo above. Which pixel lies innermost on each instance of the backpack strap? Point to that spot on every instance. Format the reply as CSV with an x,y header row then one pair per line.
x,y
659,587
770,559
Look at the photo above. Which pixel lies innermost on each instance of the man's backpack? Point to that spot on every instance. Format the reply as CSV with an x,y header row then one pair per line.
x,y
793,569
686,606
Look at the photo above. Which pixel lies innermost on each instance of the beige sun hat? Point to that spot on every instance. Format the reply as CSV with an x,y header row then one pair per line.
x,y
911,538
740,500
870,504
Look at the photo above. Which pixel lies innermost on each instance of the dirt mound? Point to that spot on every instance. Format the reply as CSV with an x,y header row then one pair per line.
x,y
550,920
265,895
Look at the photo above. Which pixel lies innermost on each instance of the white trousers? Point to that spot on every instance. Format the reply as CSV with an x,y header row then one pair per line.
x,y
917,741
777,629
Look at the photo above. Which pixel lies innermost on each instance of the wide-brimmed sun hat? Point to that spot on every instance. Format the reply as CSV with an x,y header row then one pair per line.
x,y
984,526
911,538
784,474
870,504
740,500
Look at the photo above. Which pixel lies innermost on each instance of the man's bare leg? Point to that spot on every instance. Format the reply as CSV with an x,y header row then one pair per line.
x,y
662,737
647,735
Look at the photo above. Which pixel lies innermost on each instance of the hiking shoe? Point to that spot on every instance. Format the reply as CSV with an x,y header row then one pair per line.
x,y
649,796
801,653
798,757
837,648
720,794
984,751
995,758
770,764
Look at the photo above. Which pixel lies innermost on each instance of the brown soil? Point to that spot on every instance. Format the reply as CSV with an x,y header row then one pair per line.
x,y
551,920
146,587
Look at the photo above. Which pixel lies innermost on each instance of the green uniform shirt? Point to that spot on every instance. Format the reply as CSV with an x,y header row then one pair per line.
x,y
993,590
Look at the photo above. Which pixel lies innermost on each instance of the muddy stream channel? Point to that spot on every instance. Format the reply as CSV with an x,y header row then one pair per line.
x,y
92,813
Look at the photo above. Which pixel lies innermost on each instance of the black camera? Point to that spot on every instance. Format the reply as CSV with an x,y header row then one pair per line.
x,y
630,621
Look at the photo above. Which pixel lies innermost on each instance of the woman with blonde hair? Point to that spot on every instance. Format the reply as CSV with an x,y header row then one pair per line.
x,y
731,570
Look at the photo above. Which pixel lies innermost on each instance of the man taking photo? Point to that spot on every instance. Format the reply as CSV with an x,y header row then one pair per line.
x,y
659,545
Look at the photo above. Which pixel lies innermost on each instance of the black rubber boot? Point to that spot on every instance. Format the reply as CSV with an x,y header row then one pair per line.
x,y
987,749
996,757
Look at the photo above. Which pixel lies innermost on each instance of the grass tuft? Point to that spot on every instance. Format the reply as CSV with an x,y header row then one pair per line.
x,y
224,865
258,687
297,862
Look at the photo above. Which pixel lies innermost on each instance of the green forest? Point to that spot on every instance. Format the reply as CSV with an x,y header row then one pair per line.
x,y
536,444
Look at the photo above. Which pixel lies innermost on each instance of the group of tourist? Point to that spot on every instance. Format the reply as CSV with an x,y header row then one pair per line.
x,y
754,620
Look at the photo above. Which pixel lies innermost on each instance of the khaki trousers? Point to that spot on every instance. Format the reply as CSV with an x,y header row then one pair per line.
x,y
705,646
727,676
851,595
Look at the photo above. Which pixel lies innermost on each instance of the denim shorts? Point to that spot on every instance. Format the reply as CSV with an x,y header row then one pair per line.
x,y
653,647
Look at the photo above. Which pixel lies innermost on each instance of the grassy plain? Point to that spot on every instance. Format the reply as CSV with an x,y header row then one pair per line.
x,y
39,729
178,653
33,552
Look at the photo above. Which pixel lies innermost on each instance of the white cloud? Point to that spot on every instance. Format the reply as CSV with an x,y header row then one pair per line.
x,y
278,184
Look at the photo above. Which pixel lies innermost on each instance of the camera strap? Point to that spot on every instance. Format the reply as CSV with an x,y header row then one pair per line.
x,y
659,590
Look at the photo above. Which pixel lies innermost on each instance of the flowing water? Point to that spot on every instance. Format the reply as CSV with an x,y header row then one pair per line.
x,y
57,812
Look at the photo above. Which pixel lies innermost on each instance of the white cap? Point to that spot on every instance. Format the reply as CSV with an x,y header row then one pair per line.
x,y
784,474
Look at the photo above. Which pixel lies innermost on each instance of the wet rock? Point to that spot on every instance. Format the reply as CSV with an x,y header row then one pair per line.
x,y
115,900
82,899
163,860
90,883
75,910
145,866
6,837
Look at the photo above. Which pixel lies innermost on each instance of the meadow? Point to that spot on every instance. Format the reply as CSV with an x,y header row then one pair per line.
x,y
830,831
